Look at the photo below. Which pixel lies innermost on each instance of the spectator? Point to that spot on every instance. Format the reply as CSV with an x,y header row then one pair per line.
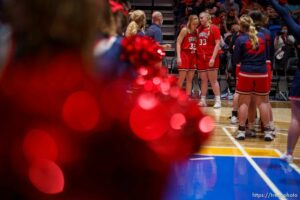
x,y
228,5
231,18
154,31
250,6
211,6
282,42
274,18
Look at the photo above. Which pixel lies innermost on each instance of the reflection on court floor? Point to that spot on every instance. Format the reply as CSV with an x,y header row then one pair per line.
x,y
227,173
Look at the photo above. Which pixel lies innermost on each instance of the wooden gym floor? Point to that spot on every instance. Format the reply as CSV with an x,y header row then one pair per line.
x,y
282,118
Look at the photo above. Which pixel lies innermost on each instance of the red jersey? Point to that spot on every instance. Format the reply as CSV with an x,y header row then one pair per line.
x,y
206,39
189,42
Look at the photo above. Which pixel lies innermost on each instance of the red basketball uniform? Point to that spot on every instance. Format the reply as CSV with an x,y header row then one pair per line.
x,y
188,52
205,47
253,77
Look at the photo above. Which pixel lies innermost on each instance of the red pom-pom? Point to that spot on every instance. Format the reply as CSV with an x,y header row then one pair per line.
x,y
142,51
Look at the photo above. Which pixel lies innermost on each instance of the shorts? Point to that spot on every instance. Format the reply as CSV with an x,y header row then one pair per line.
x,y
257,84
203,63
295,89
188,61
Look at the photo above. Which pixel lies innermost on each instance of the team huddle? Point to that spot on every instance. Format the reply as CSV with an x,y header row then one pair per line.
x,y
198,49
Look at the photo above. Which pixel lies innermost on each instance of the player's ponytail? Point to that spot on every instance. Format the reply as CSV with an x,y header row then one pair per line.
x,y
253,37
137,22
247,25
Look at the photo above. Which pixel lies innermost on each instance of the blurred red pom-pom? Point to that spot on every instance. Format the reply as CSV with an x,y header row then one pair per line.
x,y
142,51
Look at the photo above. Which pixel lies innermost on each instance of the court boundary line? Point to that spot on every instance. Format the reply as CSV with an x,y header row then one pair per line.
x,y
228,147
221,155
260,172
203,158
278,131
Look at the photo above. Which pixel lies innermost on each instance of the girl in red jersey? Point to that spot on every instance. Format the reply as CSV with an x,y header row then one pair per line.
x,y
208,58
186,53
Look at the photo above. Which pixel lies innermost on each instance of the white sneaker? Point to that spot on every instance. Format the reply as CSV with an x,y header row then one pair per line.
x,y
240,135
268,136
233,120
287,157
217,105
202,103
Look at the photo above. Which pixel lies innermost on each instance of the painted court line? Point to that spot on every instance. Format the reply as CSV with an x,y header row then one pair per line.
x,y
266,179
235,152
204,158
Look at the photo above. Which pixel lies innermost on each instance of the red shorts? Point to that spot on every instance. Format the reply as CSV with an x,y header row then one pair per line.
x,y
188,60
258,84
203,63
269,68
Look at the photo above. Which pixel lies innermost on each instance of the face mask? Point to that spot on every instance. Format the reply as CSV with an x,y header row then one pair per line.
x,y
284,31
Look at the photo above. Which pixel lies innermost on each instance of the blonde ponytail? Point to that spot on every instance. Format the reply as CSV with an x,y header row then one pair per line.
x,y
137,22
247,25
253,37
131,29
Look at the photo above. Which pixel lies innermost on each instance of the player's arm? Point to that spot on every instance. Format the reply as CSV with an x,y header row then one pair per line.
x,y
180,37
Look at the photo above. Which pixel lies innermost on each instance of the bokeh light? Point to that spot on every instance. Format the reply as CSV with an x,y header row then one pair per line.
x,y
38,144
147,101
149,124
81,112
46,176
156,80
177,121
143,71
206,124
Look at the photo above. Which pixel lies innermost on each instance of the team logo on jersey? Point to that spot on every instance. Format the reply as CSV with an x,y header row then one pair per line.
x,y
258,50
192,39
203,35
